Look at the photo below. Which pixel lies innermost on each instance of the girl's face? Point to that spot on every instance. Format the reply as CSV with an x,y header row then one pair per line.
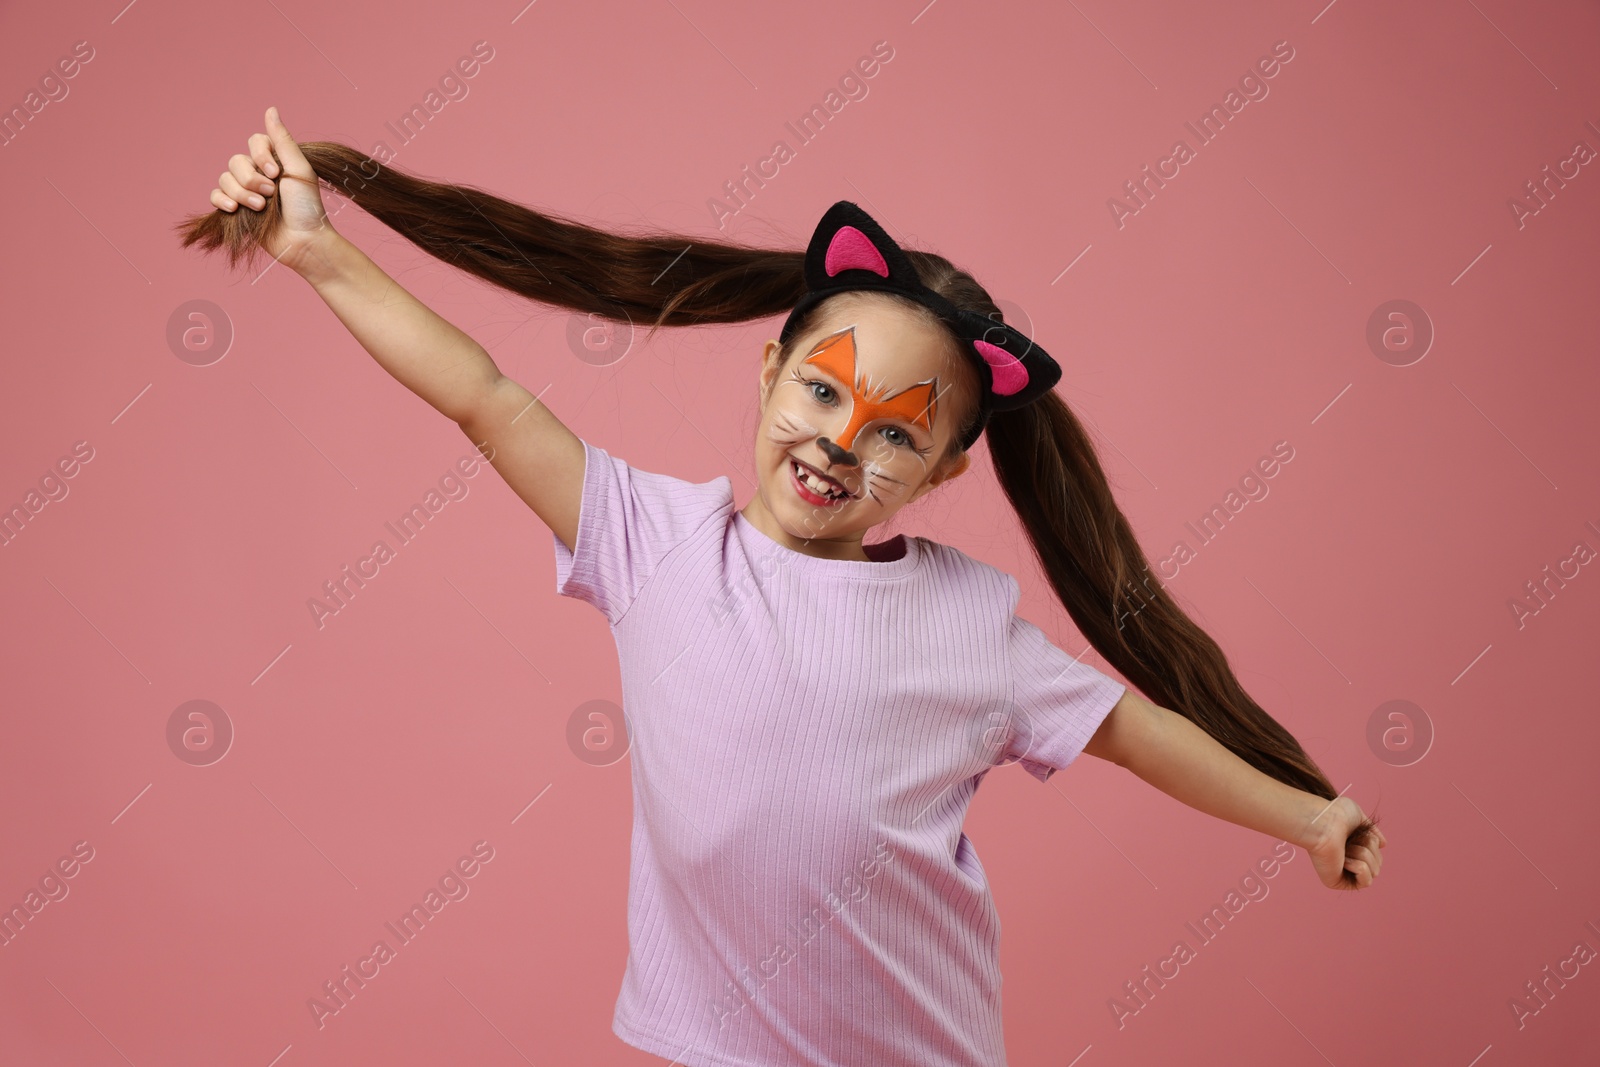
x,y
853,428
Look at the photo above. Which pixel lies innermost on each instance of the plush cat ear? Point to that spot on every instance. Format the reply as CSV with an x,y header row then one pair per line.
x,y
850,249
1019,370
1009,375
847,240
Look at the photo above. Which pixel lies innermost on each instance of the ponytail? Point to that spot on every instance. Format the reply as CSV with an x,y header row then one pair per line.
x,y
661,279
1049,470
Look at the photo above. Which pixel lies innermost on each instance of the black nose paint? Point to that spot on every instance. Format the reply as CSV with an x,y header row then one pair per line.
x,y
838,455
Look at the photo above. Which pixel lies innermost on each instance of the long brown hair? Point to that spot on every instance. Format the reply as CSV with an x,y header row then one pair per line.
x,y
1045,461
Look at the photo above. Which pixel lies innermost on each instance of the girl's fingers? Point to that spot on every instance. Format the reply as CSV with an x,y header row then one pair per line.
x,y
1365,858
261,154
234,191
223,202
285,145
244,171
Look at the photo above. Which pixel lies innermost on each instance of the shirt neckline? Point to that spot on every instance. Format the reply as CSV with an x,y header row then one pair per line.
x,y
762,545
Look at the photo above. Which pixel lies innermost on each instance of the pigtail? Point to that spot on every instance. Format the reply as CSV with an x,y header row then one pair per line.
x,y
1049,470
660,279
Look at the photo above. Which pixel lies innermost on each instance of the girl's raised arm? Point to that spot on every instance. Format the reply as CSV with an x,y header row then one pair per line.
x,y
538,456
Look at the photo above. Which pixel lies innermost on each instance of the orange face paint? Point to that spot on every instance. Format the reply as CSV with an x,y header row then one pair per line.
x,y
916,404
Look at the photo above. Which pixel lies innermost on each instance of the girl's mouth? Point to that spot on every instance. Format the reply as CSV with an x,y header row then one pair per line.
x,y
815,490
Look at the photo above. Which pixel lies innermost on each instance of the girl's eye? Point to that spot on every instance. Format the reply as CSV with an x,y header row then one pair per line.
x,y
814,385
900,438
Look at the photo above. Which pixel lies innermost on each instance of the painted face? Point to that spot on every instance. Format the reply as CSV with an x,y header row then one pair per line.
x,y
835,355
854,428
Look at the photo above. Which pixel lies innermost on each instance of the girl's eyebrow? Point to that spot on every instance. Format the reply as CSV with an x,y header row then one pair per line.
x,y
820,368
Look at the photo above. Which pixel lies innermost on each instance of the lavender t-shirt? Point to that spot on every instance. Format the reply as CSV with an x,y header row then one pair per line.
x,y
806,736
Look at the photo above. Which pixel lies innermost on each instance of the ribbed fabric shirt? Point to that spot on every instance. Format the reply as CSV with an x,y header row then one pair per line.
x,y
806,736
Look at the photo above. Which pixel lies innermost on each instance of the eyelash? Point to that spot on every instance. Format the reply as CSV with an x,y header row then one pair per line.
x,y
909,442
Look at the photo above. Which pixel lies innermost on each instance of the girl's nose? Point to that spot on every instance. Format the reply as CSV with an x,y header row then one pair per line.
x,y
842,456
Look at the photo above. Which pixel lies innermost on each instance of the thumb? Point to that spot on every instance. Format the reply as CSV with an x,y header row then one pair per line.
x,y
289,154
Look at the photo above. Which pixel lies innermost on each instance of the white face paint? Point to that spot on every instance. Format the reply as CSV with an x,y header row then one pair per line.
x,y
789,428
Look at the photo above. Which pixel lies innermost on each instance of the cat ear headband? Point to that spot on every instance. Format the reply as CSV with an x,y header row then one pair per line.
x,y
849,250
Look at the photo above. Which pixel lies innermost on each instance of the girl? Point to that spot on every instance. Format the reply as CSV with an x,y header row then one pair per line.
x,y
811,713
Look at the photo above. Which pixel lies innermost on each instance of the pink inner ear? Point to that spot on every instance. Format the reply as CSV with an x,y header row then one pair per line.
x,y
1009,373
851,250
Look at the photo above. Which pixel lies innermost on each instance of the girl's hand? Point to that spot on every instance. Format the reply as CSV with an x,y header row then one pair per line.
x,y
249,181
1331,853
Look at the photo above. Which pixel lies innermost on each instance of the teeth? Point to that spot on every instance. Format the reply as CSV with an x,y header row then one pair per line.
x,y
816,485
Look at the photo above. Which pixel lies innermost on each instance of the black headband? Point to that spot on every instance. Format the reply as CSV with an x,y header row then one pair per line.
x,y
851,251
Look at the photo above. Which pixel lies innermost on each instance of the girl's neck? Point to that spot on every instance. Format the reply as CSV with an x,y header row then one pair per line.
x,y
849,548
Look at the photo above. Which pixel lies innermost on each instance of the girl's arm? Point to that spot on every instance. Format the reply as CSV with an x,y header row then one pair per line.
x,y
1188,764
537,455
424,352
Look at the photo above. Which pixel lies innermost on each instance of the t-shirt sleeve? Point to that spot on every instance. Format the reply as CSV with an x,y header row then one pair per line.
x,y
628,521
1059,701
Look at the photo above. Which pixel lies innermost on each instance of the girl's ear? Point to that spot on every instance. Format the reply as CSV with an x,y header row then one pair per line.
x,y
769,369
958,467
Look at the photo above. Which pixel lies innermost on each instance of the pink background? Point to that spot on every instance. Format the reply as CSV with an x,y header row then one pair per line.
x,y
1228,314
